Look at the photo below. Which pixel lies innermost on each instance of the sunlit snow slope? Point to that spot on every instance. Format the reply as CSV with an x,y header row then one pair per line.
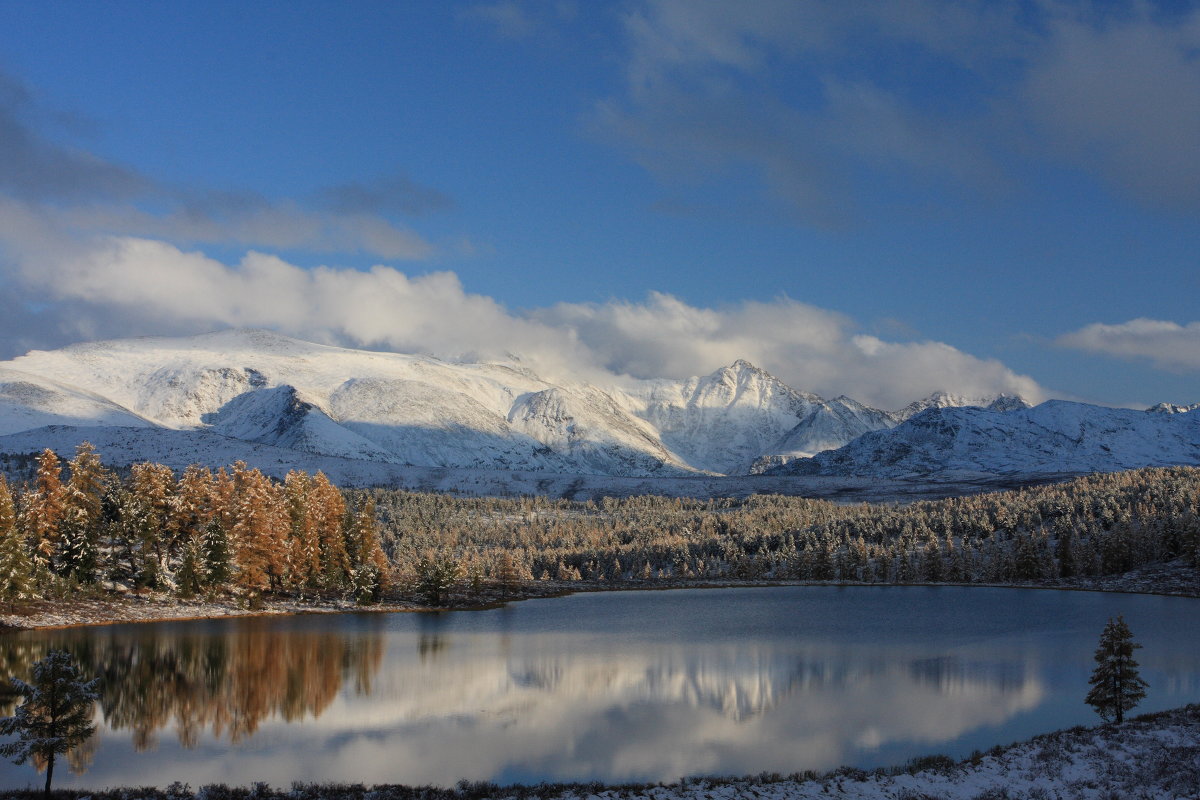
x,y
245,393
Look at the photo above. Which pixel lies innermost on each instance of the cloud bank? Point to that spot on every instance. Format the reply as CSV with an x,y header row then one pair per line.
x,y
1166,345
122,285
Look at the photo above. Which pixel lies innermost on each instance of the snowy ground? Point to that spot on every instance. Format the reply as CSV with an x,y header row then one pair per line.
x,y
153,608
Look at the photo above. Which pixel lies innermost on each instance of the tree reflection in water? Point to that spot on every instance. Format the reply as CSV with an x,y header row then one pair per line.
x,y
225,681
601,687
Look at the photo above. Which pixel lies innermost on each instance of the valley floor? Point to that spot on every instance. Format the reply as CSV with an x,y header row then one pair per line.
x,y
1153,756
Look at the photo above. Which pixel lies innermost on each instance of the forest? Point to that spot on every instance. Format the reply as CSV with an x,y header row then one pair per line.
x,y
201,532
78,525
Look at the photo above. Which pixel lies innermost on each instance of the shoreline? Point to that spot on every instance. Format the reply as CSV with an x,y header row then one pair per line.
x,y
1172,579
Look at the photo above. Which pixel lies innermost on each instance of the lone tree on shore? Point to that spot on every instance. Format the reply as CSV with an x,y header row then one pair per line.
x,y
56,715
1116,685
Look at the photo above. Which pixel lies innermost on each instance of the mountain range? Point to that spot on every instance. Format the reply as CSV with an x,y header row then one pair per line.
x,y
251,393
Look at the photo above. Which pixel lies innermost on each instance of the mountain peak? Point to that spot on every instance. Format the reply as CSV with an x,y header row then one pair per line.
x,y
1172,408
742,365
943,399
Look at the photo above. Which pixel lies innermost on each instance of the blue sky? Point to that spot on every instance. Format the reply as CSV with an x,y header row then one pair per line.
x,y
878,199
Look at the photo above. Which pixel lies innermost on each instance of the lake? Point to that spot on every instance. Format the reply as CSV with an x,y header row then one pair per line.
x,y
617,686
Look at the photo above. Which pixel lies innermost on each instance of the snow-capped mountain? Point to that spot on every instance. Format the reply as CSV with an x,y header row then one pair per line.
x,y
269,389
996,402
260,393
726,420
262,388
1054,437
31,401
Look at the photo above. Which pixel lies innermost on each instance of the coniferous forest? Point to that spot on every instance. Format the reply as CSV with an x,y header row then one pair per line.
x,y
78,525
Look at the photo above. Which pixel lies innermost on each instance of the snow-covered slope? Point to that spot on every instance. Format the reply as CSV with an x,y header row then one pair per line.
x,y
268,390
31,401
830,425
1054,437
726,420
995,402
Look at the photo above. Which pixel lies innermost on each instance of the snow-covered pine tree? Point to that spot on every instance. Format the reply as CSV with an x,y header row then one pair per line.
x,y
83,513
1116,685
16,568
437,575
191,510
153,486
370,563
215,555
42,510
189,578
55,716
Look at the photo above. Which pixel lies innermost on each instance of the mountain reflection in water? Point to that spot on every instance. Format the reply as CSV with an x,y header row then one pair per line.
x,y
594,688
441,693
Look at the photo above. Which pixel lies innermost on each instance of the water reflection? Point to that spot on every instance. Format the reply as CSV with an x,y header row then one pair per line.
x,y
224,683
560,691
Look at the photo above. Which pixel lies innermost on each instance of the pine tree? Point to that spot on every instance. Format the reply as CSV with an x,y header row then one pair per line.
x,y
56,715
43,510
437,575
216,558
153,488
189,576
16,569
1116,685
82,518
191,510
370,564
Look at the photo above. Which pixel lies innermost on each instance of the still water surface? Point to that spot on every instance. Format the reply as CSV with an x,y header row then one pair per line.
x,y
615,687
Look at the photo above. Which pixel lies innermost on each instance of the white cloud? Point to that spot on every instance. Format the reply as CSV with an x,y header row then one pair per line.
x,y
120,286
1167,345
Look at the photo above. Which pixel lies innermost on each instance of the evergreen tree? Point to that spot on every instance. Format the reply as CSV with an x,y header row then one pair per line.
x,y
43,510
16,569
189,576
370,564
56,715
191,510
82,514
1116,685
215,555
152,486
436,578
